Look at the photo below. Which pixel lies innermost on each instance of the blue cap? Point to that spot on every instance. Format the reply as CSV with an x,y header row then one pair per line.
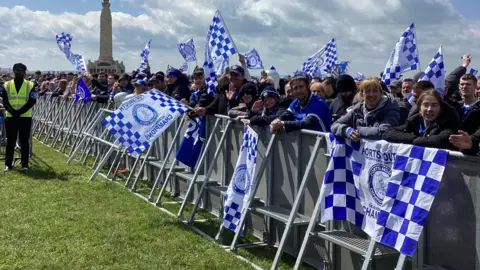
x,y
173,72
140,82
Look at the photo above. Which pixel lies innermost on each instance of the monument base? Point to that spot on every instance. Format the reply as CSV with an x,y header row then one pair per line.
x,y
108,67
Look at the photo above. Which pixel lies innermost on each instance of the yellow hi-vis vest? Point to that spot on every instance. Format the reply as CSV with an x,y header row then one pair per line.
x,y
18,100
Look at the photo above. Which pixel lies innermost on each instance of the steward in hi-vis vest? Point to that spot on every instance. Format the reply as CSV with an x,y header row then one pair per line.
x,y
19,96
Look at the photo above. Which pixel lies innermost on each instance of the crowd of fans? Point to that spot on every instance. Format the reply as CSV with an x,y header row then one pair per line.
x,y
408,111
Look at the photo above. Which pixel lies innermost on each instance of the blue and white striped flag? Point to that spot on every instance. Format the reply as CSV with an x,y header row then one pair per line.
x,y
139,121
187,50
240,188
404,56
144,55
435,72
222,66
82,92
323,60
253,59
191,147
385,189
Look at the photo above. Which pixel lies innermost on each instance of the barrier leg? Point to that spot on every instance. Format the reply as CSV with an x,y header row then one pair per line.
x,y
102,162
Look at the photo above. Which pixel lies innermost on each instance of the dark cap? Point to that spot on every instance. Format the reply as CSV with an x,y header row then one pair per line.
x,y
396,84
125,76
269,92
346,83
156,78
20,66
173,72
199,72
237,69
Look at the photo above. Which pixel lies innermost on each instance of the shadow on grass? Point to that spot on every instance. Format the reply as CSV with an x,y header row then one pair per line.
x,y
40,170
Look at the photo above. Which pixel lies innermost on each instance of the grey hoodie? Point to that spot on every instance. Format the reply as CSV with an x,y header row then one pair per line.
x,y
370,124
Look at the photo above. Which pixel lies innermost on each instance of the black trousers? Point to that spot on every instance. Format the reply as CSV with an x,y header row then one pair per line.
x,y
21,127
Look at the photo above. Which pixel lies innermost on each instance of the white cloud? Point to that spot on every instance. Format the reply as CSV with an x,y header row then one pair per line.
x,y
284,32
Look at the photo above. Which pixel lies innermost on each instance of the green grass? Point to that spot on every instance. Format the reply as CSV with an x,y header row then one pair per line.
x,y
53,218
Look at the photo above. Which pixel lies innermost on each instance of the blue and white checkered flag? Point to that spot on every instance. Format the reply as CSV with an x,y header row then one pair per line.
x,y
139,121
383,188
253,59
323,60
187,50
64,42
240,188
220,42
435,72
144,55
404,56
416,175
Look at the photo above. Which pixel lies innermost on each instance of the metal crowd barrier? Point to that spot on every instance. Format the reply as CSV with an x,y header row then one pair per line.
x,y
290,169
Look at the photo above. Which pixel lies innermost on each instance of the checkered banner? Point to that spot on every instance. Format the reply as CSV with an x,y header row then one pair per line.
x,y
383,188
240,189
139,121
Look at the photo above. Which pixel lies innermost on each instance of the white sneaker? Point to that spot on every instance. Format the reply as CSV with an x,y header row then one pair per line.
x,y
6,169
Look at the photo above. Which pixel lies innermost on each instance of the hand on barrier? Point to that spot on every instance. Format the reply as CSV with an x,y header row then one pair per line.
x,y
246,122
353,135
276,126
184,101
200,111
462,140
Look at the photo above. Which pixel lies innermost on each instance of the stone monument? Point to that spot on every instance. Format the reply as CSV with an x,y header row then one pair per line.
x,y
105,62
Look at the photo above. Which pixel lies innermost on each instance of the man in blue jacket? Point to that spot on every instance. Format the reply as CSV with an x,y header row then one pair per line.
x,y
307,111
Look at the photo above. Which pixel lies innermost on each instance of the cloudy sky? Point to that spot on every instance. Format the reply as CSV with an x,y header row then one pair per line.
x,y
285,33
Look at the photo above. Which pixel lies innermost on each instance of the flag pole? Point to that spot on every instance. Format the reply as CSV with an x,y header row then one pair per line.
x,y
226,28
416,44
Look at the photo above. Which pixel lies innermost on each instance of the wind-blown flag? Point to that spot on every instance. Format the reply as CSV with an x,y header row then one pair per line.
x,y
323,60
435,72
474,72
144,55
383,188
360,77
139,121
82,92
253,59
222,66
219,47
187,50
64,42
404,56
240,188
191,147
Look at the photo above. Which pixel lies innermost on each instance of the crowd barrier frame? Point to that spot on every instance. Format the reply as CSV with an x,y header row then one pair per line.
x,y
290,176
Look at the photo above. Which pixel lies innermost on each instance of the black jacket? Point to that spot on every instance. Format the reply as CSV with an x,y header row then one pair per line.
x,y
221,104
266,117
471,125
180,89
436,135
203,99
101,91
32,99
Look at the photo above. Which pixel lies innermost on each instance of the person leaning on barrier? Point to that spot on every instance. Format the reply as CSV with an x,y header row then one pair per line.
x,y
200,96
247,97
468,137
19,96
99,91
346,88
177,85
227,93
430,126
370,118
307,111
268,108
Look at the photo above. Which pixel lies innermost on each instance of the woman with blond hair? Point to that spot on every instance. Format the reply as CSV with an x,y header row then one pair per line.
x,y
371,117
430,125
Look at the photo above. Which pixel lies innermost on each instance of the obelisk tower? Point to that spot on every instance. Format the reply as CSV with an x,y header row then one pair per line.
x,y
106,33
105,62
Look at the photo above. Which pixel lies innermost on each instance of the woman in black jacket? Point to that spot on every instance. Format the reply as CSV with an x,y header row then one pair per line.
x,y
430,126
